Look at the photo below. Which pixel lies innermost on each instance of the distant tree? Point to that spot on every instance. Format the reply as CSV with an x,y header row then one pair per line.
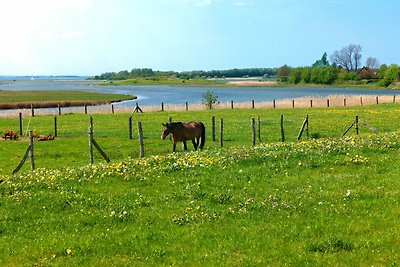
x,y
209,99
348,57
283,73
372,63
391,75
295,75
322,62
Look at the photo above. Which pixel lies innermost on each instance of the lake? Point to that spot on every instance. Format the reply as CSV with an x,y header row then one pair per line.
x,y
155,95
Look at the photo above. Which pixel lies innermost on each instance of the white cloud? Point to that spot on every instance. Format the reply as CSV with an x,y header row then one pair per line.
x,y
193,2
73,34
239,3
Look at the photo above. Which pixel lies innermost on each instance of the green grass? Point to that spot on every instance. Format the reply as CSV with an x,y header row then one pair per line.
x,y
329,201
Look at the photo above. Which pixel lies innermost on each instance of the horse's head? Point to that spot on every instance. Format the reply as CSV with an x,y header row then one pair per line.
x,y
165,131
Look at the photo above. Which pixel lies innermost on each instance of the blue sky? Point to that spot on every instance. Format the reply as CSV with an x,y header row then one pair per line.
x,y
89,37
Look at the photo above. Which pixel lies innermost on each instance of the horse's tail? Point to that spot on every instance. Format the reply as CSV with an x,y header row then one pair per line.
x,y
203,135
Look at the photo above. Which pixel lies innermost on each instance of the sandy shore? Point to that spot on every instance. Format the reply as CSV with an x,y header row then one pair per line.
x,y
252,83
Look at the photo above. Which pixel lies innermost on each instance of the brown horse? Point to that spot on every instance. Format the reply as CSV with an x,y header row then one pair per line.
x,y
184,131
10,134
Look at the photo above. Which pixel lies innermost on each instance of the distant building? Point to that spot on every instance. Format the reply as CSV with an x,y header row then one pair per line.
x,y
367,73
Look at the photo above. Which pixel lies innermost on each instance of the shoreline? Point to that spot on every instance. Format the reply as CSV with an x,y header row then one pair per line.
x,y
330,101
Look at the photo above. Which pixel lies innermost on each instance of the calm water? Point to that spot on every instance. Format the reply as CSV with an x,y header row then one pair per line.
x,y
154,95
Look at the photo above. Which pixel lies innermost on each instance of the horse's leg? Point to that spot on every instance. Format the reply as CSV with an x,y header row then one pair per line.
x,y
194,144
184,145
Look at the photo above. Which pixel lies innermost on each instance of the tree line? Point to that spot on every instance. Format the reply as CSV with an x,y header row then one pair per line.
x,y
345,67
146,72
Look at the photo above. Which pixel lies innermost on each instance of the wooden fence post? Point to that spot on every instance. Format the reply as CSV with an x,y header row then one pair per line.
x,y
231,104
327,103
273,104
394,98
162,106
311,103
55,126
253,131
361,100
130,127
282,131
32,110
252,104
112,109
85,108
344,102
59,109
221,132
213,128
259,129
356,125
141,143
91,140
292,103
20,123
31,157
377,100
186,106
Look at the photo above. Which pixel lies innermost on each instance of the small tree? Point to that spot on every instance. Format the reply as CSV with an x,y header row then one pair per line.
x,y
209,99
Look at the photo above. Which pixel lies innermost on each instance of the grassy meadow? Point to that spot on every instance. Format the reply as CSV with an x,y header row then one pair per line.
x,y
329,200
23,99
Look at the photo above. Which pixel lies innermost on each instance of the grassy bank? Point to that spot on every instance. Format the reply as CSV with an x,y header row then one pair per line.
x,y
24,99
327,201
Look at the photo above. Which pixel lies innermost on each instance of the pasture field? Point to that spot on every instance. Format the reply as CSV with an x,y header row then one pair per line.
x,y
328,201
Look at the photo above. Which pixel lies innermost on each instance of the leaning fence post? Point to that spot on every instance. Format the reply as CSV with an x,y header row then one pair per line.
x,y
221,131
253,131
91,139
282,131
112,109
141,143
130,127
356,122
213,128
20,123
85,108
31,157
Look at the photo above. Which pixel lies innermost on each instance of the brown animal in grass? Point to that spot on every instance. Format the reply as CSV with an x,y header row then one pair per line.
x,y
10,135
45,137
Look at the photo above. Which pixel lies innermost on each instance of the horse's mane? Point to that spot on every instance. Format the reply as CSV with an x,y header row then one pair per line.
x,y
172,124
